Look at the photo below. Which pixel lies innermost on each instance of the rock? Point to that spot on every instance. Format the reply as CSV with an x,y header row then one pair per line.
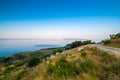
x,y
48,61
63,52
52,56
57,53
80,48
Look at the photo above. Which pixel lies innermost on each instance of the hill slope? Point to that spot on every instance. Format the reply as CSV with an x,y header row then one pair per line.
x,y
81,63
114,41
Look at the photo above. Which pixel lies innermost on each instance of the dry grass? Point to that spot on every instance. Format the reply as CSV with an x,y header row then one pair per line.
x,y
100,59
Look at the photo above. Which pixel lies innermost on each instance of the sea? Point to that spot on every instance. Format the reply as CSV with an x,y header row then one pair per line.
x,y
14,46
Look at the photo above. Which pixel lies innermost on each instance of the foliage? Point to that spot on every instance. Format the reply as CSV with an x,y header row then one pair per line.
x,y
86,66
106,42
33,61
8,69
83,54
115,68
44,56
62,68
86,42
8,64
20,63
77,44
59,50
114,36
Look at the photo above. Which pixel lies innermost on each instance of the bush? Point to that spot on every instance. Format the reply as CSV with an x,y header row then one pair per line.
x,y
8,64
62,68
59,50
86,66
115,68
33,61
76,44
106,41
45,55
17,64
86,42
115,36
83,54
8,69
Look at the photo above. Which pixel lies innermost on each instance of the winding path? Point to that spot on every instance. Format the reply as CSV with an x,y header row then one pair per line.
x,y
108,49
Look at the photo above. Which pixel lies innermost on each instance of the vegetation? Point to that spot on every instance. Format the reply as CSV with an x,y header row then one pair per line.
x,y
33,61
83,54
86,66
77,44
90,63
114,41
115,36
62,68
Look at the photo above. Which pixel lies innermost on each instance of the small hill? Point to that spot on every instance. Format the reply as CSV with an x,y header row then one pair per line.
x,y
80,63
114,41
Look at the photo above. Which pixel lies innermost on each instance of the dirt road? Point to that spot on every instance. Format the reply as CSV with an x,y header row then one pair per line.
x,y
108,49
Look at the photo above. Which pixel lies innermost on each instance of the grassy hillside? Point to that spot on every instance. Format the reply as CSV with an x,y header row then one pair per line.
x,y
86,63
114,41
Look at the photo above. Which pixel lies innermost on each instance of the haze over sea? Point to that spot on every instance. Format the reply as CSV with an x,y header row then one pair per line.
x,y
13,46
54,20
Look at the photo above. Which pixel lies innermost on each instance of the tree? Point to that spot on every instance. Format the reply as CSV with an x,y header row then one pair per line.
x,y
114,36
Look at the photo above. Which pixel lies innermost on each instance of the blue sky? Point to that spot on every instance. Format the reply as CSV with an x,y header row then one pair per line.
x,y
59,19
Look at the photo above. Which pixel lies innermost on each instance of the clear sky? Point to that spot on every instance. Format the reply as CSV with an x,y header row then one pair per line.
x,y
59,19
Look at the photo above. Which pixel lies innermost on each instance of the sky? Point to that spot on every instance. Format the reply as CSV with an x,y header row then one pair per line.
x,y
59,19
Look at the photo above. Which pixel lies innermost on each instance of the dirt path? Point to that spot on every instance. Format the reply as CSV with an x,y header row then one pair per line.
x,y
108,49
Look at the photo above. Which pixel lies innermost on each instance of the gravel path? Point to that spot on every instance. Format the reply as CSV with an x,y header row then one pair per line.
x,y
108,49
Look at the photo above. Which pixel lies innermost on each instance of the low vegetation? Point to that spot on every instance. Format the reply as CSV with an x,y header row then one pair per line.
x,y
77,44
89,63
114,41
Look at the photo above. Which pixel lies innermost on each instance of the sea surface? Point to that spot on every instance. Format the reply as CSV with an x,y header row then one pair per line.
x,y
13,46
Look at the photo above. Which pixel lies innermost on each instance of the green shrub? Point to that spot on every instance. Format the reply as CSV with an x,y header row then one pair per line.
x,y
19,75
86,42
76,44
115,36
8,64
8,69
45,55
59,50
83,54
33,61
62,68
17,64
115,68
54,52
106,42
86,66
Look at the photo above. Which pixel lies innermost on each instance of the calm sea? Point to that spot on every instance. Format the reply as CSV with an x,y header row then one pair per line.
x,y
8,47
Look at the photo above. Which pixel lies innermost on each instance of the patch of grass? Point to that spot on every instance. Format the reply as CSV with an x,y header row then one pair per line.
x,y
115,68
17,64
87,66
9,69
62,68
83,53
